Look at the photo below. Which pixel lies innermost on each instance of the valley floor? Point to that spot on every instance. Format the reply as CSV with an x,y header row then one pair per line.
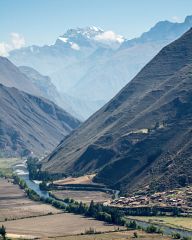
x,y
116,236
28,219
14,203
83,196
55,225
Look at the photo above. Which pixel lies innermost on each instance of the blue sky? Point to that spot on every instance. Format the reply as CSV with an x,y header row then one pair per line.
x,y
41,21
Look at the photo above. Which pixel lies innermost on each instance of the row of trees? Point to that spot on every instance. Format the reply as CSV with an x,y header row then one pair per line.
x,y
106,214
34,168
94,210
30,193
153,211
97,211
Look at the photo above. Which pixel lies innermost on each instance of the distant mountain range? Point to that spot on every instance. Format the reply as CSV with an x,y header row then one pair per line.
x,y
29,123
89,66
42,83
11,76
142,138
47,89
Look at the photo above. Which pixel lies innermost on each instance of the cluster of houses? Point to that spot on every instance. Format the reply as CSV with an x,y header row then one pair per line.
x,y
175,198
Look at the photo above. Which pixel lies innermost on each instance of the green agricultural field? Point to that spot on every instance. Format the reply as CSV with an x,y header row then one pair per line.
x,y
6,165
181,222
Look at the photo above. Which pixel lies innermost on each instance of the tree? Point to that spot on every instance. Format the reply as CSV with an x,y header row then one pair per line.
x,y
151,229
91,210
82,208
176,236
43,185
3,232
132,225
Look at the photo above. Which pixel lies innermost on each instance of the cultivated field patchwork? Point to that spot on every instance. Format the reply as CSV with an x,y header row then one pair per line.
x,y
116,236
56,225
14,203
83,196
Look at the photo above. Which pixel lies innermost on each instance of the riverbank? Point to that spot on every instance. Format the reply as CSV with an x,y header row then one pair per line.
x,y
14,203
78,209
22,218
167,230
174,222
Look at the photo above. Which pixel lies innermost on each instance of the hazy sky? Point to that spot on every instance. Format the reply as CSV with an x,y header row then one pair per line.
x,y
41,21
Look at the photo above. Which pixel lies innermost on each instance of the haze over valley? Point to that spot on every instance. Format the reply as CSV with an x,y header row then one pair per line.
x,y
96,120
89,66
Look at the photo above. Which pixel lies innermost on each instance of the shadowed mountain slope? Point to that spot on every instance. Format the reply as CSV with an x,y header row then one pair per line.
x,y
30,124
29,80
11,76
142,137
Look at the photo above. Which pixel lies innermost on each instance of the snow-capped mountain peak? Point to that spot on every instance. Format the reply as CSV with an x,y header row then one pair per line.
x,y
90,37
88,32
63,39
96,29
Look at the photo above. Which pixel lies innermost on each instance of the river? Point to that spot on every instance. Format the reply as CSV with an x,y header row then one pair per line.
x,y
21,170
166,229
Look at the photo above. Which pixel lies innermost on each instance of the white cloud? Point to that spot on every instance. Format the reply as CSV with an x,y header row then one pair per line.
x,y
17,41
4,49
75,46
109,36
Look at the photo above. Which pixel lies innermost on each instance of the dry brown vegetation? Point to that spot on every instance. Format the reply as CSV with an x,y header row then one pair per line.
x,y
116,236
14,204
83,196
87,179
55,225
